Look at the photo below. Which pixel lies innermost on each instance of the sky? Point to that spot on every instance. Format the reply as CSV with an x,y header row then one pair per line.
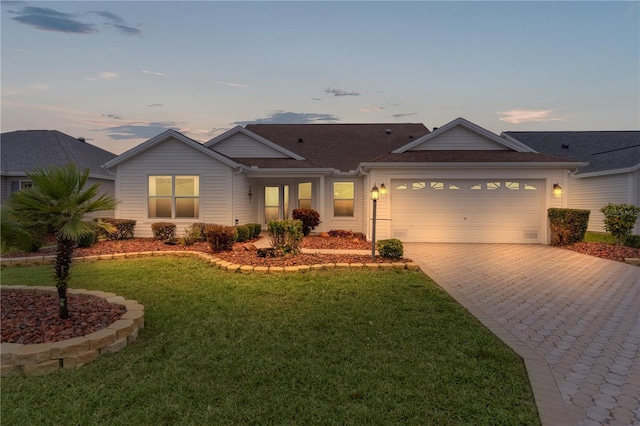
x,y
119,73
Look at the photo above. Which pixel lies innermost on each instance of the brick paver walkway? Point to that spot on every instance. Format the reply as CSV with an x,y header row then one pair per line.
x,y
574,318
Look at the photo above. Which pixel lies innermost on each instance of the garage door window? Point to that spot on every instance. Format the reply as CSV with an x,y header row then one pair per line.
x,y
491,186
437,186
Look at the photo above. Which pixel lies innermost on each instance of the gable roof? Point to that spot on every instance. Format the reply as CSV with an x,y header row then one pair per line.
x,y
446,157
26,150
469,126
605,151
164,136
333,146
259,139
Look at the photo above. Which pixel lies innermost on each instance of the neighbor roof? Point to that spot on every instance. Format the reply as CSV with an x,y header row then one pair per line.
x,y
26,150
338,146
605,151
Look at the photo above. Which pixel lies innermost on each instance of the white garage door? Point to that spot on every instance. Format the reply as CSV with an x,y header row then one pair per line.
x,y
478,211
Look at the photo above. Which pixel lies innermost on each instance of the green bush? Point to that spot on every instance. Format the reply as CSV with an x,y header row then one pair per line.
x,y
391,248
286,235
202,228
619,219
123,228
568,226
87,240
309,217
243,233
632,241
252,229
221,238
192,234
256,230
163,231
14,235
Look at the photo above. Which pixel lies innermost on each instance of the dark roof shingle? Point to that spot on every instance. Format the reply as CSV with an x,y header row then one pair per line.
x,y
604,150
25,150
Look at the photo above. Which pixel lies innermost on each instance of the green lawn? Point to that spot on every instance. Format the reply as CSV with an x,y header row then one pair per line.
x,y
321,348
599,237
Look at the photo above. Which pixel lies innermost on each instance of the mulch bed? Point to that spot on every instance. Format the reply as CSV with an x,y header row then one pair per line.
x,y
34,318
605,251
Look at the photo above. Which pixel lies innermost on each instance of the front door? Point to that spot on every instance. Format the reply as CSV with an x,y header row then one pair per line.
x,y
276,202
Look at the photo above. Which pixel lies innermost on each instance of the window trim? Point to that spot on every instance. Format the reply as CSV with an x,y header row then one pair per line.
x,y
310,199
353,199
174,197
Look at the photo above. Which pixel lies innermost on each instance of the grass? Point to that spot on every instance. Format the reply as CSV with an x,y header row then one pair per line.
x,y
322,348
599,237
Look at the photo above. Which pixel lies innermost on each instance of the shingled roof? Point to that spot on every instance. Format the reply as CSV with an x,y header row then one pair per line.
x,y
469,156
604,150
25,150
339,146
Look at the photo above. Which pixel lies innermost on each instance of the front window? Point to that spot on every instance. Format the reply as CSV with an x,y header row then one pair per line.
x,y
25,184
174,197
304,195
343,199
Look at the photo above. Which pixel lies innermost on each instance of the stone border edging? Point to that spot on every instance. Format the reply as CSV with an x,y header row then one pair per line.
x,y
44,358
212,260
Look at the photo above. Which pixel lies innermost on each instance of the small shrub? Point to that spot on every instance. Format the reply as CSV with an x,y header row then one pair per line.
x,y
568,226
252,229
632,241
122,228
267,252
192,234
13,235
309,217
619,219
242,233
286,235
163,231
391,248
221,238
87,240
257,228
202,227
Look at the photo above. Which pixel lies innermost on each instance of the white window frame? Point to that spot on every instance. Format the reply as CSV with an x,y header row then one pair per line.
x,y
174,197
353,200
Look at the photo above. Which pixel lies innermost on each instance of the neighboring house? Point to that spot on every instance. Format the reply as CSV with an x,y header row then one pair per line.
x,y
25,150
612,174
459,183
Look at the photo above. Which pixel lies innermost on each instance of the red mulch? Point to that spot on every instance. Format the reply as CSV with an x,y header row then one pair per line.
x,y
34,318
605,251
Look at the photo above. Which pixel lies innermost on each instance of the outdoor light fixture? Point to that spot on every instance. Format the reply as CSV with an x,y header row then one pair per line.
x,y
383,189
250,194
557,190
375,193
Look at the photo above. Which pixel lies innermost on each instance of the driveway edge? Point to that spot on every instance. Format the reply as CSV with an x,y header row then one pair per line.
x,y
549,401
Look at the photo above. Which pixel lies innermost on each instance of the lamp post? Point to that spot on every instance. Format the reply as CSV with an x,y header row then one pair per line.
x,y
374,196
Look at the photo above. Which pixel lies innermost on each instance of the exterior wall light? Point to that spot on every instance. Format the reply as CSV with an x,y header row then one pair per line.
x,y
383,189
557,190
250,194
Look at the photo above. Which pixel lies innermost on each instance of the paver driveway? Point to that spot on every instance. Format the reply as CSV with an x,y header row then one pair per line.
x,y
574,318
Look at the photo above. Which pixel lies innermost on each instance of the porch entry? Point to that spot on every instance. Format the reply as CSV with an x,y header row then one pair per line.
x,y
276,202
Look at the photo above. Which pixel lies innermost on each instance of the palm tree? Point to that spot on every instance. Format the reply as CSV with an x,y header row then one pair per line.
x,y
58,200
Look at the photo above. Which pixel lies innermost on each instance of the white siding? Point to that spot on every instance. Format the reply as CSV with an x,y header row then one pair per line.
x,y
240,145
458,138
244,208
173,158
593,193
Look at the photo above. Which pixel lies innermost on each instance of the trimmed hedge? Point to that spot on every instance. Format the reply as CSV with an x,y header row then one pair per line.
x,y
391,248
568,226
221,238
242,233
163,231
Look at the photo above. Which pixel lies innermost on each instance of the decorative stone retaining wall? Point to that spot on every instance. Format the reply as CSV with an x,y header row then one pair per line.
x,y
211,259
44,358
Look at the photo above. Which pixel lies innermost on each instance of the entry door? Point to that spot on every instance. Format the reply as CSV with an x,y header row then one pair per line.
x,y
276,202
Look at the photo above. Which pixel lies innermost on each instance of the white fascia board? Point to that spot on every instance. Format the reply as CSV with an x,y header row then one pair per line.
x,y
163,137
519,147
258,172
491,165
240,129
607,172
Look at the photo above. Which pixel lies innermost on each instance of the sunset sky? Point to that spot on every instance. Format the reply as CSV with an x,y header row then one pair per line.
x,y
119,73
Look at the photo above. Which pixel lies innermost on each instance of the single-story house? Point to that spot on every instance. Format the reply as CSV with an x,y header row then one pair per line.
x,y
612,172
457,183
25,150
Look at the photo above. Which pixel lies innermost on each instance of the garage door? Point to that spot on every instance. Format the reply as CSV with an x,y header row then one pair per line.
x,y
480,211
